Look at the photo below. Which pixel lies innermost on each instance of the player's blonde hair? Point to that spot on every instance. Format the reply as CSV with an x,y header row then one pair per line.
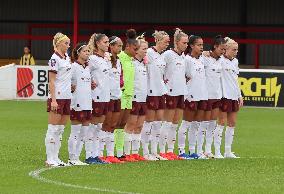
x,y
178,35
58,37
159,35
92,42
229,42
141,39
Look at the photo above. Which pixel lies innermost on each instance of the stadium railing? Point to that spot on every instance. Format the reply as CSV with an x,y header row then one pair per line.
x,y
144,27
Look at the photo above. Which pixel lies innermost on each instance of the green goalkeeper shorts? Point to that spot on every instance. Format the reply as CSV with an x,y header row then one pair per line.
x,y
126,102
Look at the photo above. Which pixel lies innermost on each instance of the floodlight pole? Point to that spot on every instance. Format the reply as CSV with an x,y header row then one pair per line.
x,y
75,22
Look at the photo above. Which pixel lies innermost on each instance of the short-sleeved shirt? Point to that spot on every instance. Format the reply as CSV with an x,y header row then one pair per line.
x,y
175,73
82,96
156,70
196,86
213,69
229,78
115,76
140,81
62,67
100,69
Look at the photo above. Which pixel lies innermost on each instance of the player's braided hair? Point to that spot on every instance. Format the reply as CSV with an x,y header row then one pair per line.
x,y
58,37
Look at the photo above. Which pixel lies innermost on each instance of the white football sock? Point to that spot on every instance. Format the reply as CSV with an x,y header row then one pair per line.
x,y
229,137
110,144
88,139
50,142
171,140
102,137
136,143
145,137
58,140
200,136
127,143
166,127
96,145
209,135
73,140
80,143
155,136
185,125
218,138
192,131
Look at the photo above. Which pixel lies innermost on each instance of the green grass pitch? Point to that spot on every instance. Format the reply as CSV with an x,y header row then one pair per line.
x,y
259,141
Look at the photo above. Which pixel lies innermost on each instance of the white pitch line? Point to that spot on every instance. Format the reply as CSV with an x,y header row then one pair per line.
x,y
36,175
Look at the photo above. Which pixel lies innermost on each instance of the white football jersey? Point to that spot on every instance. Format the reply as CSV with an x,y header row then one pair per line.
x,y
156,70
115,73
100,69
82,96
62,67
196,86
229,78
213,69
140,81
175,73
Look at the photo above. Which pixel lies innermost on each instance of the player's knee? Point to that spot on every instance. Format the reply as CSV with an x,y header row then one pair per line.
x,y
231,123
222,121
113,124
139,127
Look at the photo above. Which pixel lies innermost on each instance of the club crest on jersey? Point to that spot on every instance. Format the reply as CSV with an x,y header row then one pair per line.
x,y
52,62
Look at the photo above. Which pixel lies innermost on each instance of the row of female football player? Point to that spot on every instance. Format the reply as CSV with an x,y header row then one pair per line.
x,y
145,91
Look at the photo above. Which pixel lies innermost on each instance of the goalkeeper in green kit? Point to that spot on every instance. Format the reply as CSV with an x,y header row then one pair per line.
x,y
126,58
